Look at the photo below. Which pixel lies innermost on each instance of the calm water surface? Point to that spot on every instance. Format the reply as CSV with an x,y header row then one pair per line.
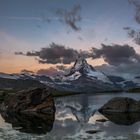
x,y
74,116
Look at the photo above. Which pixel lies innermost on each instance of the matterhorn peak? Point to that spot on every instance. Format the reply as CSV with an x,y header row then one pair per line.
x,y
82,68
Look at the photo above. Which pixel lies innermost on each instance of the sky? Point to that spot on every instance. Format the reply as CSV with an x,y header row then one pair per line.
x,y
30,25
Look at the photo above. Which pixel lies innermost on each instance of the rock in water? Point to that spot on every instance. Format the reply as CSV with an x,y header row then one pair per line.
x,y
122,118
121,105
37,100
122,110
37,124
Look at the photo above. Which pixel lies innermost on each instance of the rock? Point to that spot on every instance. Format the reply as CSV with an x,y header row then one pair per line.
x,y
36,123
122,118
93,131
121,105
101,120
37,100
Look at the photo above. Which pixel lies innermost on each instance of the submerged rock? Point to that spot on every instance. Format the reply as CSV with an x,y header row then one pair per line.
x,y
121,110
93,131
30,111
37,100
121,105
35,123
122,118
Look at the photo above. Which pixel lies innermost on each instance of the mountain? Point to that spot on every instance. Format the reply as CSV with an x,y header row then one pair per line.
x,y
125,83
82,69
81,77
22,81
19,84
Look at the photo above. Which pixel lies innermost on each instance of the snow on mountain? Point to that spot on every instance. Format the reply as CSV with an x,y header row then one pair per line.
x,y
9,76
136,80
82,68
25,76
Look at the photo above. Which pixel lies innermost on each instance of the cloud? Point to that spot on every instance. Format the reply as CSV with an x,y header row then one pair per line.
x,y
57,54
125,70
70,17
54,54
19,53
50,71
136,4
134,34
117,54
22,18
33,53
27,71
61,67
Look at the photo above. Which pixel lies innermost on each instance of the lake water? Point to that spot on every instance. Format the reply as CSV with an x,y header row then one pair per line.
x,y
75,115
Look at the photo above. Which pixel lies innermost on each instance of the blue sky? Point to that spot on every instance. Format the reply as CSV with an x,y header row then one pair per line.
x,y
22,27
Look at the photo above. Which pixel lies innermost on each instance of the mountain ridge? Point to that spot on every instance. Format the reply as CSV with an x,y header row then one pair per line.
x,y
82,77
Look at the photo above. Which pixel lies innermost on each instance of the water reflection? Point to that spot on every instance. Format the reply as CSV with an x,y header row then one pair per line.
x,y
35,123
123,118
74,116
83,113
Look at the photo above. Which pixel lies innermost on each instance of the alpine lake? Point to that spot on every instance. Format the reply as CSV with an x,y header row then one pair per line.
x,y
76,118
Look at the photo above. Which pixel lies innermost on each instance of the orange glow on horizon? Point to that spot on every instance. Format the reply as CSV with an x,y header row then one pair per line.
x,y
16,63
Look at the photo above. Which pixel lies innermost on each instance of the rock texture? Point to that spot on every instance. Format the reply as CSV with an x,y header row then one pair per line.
x,y
122,118
121,105
122,110
37,100
38,123
30,111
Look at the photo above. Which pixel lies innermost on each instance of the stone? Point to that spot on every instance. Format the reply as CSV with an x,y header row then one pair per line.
x,y
37,100
36,123
121,105
93,131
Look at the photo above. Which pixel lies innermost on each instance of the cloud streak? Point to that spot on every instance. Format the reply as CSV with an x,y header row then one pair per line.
x,y
41,18
136,4
70,17
134,34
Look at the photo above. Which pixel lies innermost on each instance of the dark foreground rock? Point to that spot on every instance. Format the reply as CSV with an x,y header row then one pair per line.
x,y
121,110
30,111
36,123
121,105
93,131
37,100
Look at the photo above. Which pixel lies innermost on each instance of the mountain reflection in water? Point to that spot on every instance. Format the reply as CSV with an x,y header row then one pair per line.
x,y
74,116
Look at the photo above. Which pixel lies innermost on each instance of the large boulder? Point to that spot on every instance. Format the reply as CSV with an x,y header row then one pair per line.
x,y
121,105
122,110
38,123
37,100
122,118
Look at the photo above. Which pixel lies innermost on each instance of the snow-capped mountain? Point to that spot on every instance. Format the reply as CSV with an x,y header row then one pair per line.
x,y
26,76
23,81
9,76
82,68
82,77
17,76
